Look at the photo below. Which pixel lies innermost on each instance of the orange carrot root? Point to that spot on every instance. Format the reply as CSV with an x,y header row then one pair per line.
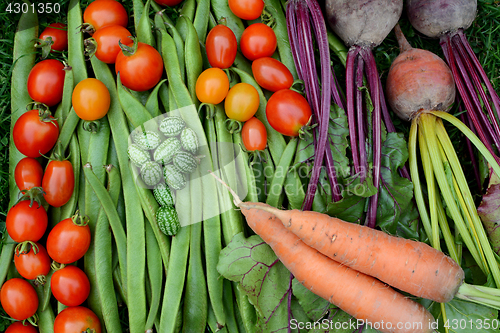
x,y
360,295
411,266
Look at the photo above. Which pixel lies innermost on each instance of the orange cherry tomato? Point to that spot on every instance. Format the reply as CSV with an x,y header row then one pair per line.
x,y
242,101
91,99
212,86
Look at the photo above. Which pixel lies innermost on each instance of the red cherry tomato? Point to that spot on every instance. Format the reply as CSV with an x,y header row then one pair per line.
x,y
212,86
70,285
168,2
59,34
19,299
91,99
271,74
107,39
45,82
28,173
77,319
254,135
257,41
242,101
246,9
142,70
105,12
221,46
34,134
33,266
287,111
58,182
67,242
25,223
19,327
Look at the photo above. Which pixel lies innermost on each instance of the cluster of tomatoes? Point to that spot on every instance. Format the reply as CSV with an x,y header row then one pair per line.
x,y
140,65
287,111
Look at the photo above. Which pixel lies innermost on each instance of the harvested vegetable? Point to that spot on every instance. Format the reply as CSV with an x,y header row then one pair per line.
x,y
301,17
333,281
363,26
447,20
432,92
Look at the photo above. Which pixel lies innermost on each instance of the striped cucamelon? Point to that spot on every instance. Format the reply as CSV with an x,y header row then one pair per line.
x,y
147,140
166,150
167,219
163,195
137,155
172,126
151,173
174,178
189,140
185,162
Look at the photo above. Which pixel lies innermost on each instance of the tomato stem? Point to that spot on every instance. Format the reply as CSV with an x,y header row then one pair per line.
x,y
45,45
127,50
78,219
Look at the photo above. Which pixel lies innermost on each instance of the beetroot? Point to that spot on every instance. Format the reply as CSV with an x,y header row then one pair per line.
x,y
363,25
447,20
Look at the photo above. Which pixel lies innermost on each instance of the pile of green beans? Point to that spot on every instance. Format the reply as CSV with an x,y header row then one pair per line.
x,y
167,284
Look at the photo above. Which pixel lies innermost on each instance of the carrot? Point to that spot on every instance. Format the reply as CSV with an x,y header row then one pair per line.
x,y
411,266
360,295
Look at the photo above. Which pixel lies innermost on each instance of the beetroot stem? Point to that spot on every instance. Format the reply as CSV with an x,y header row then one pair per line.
x,y
362,168
373,81
485,78
453,62
479,88
350,89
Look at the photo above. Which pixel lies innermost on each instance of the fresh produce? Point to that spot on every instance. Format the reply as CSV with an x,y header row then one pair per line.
x,y
246,9
432,83
168,2
362,28
104,42
102,13
301,16
53,38
242,102
20,327
19,299
58,182
69,240
33,264
221,47
45,82
254,135
212,86
77,318
90,99
257,41
70,285
26,221
288,112
35,133
140,66
333,281
159,246
448,20
28,173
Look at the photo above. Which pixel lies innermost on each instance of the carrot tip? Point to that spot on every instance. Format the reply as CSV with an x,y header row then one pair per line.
x,y
236,199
